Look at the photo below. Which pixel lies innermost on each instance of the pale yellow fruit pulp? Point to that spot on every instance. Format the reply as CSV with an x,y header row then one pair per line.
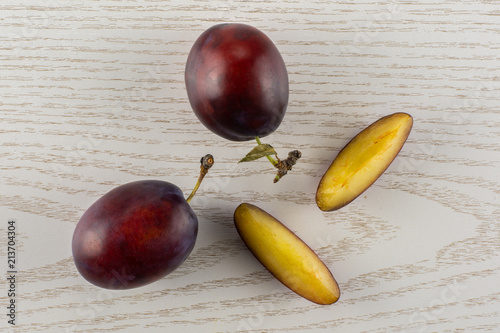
x,y
285,255
361,162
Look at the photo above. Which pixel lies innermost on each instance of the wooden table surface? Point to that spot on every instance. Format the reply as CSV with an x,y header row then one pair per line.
x,y
93,96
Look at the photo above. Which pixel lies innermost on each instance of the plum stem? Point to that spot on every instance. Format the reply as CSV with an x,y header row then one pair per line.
x,y
272,160
283,166
206,163
286,165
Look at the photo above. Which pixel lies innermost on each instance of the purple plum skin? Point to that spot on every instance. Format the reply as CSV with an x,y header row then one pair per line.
x,y
134,235
237,82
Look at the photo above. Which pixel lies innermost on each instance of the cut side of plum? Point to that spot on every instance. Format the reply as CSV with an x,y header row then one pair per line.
x,y
362,161
285,255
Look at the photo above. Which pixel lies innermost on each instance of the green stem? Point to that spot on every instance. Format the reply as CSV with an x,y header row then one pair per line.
x,y
193,192
272,160
206,163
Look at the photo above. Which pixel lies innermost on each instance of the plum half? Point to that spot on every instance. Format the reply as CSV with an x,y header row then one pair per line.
x,y
362,161
285,255
237,82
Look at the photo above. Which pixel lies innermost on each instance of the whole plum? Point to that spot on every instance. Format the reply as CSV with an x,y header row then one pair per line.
x,y
237,82
136,233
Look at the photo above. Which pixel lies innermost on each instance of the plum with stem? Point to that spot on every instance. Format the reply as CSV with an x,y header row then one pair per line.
x,y
237,85
136,234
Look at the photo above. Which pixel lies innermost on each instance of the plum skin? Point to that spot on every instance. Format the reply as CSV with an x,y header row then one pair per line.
x,y
237,82
134,235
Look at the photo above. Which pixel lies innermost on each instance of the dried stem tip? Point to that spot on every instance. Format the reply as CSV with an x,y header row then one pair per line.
x,y
286,165
206,163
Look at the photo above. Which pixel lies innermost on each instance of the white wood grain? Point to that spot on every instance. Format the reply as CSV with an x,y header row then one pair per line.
x,y
92,96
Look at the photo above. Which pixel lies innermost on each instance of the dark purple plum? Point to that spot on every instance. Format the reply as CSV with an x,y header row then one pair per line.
x,y
237,82
135,234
